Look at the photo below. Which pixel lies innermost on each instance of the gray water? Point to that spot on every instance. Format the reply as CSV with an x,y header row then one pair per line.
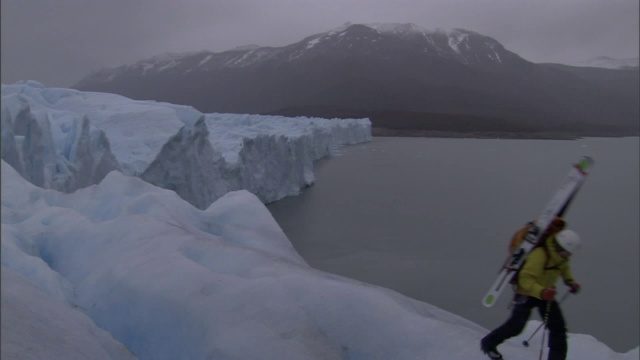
x,y
431,218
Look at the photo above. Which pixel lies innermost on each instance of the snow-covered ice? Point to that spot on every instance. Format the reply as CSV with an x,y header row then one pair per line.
x,y
124,269
125,261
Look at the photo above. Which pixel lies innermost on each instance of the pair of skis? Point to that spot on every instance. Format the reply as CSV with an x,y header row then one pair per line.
x,y
557,206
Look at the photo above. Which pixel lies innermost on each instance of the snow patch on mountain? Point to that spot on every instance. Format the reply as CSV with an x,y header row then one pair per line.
x,y
312,43
168,65
456,39
251,57
204,61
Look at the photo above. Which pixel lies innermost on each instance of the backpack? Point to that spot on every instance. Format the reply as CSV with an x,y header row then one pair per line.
x,y
518,237
515,242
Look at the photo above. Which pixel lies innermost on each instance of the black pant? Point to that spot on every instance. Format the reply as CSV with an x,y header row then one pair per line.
x,y
521,312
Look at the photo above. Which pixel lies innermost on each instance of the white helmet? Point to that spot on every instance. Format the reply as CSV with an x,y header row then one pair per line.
x,y
568,240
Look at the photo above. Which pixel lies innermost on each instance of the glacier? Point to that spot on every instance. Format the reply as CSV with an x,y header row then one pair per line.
x,y
66,139
125,269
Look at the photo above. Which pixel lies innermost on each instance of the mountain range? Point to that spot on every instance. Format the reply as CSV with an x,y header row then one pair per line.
x,y
407,79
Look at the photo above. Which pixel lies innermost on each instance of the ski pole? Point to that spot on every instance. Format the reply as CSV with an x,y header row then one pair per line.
x,y
526,342
544,334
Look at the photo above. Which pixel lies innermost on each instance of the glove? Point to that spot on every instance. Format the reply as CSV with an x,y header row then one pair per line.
x,y
548,294
574,288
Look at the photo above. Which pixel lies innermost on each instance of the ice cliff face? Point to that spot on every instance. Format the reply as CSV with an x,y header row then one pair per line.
x,y
67,139
59,152
271,156
188,165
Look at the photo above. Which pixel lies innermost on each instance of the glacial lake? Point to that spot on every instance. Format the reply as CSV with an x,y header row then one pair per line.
x,y
431,218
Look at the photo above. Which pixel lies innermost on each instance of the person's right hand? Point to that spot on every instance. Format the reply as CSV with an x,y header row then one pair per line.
x,y
548,294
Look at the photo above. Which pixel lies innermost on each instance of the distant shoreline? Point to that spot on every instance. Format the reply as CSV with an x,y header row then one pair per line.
x,y
384,132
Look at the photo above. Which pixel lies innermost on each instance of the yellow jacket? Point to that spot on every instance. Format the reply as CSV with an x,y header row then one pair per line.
x,y
542,269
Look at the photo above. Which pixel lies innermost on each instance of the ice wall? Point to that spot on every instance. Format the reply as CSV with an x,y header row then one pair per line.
x,y
274,155
271,156
67,139
189,165
52,151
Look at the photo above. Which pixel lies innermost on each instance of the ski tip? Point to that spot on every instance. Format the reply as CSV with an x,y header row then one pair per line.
x,y
489,300
584,164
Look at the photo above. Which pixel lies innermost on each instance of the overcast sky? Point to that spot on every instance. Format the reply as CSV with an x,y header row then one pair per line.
x,y
58,42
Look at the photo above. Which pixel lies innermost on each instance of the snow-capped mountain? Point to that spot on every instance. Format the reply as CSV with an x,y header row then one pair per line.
x,y
397,67
463,46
